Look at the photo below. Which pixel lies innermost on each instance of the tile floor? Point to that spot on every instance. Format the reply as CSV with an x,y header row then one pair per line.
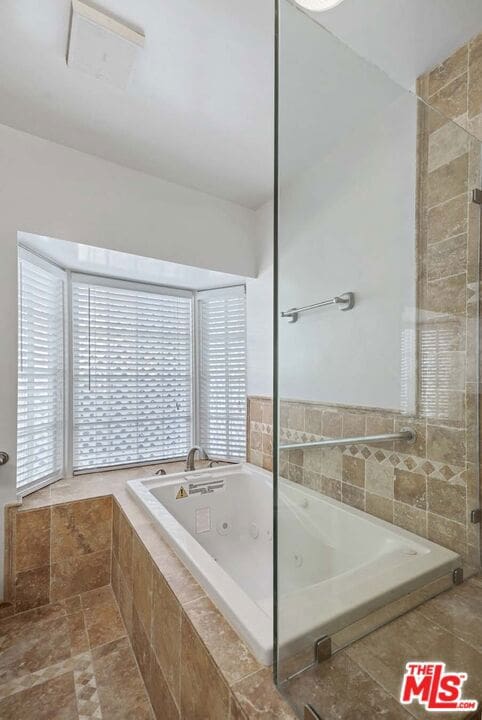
x,y
363,681
70,660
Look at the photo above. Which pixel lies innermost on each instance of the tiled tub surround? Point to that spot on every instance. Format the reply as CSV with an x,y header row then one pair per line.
x,y
193,664
424,488
56,552
210,671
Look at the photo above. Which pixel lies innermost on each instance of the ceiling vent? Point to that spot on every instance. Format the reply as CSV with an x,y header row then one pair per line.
x,y
101,46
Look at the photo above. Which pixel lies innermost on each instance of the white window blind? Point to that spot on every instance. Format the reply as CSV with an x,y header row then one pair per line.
x,y
132,373
222,372
40,412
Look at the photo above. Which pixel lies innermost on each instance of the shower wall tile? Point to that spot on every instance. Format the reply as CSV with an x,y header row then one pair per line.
x,y
396,482
431,486
451,68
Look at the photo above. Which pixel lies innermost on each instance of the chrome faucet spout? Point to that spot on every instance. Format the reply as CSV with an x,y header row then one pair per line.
x,y
190,465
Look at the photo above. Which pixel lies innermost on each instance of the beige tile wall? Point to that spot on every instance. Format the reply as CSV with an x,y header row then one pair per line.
x,y
55,552
432,487
193,663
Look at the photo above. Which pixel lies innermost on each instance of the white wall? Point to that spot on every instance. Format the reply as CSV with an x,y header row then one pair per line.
x,y
52,190
348,224
259,300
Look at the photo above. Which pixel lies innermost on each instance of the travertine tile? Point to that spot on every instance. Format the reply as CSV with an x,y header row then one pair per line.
x,y
353,471
447,257
340,688
381,507
256,410
256,440
410,488
203,692
235,712
330,461
80,528
447,295
332,424
446,532
447,499
353,496
296,417
410,518
230,654
446,445
125,602
458,610
379,479
445,145
162,701
475,76
79,641
141,647
104,623
384,653
330,487
78,574
313,420
451,68
142,582
353,424
166,632
447,220
448,181
258,698
450,101
125,549
52,700
267,412
32,588
32,539
33,640
119,684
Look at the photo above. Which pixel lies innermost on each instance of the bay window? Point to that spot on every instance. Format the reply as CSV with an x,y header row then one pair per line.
x,y
114,373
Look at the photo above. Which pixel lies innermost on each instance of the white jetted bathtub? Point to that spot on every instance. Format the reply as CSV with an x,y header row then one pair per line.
x,y
337,564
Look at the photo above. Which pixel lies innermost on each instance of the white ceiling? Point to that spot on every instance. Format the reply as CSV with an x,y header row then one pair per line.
x,y
404,37
199,108
101,261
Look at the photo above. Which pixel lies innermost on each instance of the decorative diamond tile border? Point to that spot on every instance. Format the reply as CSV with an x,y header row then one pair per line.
x,y
88,703
402,461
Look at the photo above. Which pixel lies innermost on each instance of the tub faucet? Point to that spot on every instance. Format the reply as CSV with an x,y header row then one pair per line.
x,y
192,454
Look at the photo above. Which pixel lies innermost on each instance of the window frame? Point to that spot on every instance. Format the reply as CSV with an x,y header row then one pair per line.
x,y
228,291
108,281
28,255
71,276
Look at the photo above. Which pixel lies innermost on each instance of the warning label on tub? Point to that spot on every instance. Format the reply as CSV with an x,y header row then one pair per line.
x,y
429,684
181,493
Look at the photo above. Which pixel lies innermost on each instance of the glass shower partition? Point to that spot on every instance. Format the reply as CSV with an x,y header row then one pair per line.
x,y
376,285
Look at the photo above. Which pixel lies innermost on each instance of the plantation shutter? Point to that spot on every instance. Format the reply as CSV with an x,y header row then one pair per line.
x,y
40,401
132,373
222,372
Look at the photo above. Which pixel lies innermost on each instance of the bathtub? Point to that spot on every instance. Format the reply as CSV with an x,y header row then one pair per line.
x,y
337,564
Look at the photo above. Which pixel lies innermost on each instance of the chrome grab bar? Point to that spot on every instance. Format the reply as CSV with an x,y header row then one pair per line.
x,y
345,301
405,434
